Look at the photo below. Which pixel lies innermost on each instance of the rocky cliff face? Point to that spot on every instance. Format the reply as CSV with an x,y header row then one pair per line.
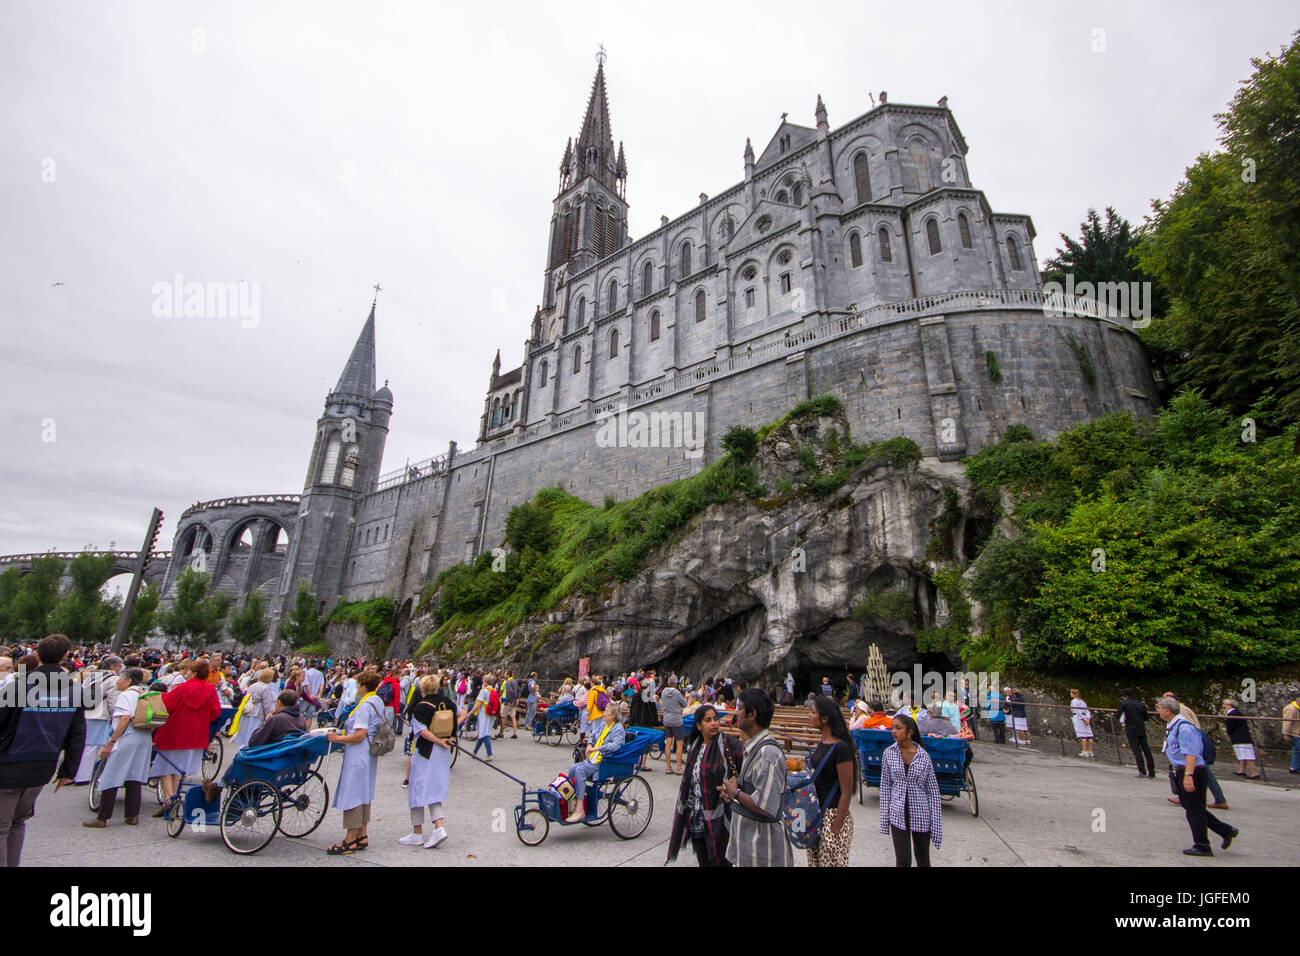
x,y
753,589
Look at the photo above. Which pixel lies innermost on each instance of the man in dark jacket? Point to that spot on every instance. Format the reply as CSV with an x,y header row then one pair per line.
x,y
41,717
1134,716
284,720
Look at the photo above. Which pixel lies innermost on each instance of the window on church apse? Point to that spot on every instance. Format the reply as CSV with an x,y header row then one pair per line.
x,y
855,249
647,279
654,325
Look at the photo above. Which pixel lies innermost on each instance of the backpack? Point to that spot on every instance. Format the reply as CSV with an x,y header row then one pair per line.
x,y
1208,752
462,687
384,740
602,701
150,713
494,702
801,813
385,693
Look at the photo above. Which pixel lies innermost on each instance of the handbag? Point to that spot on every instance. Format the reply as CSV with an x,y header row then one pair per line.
x,y
150,712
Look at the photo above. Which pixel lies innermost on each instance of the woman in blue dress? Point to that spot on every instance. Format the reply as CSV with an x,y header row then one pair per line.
x,y
356,788
126,754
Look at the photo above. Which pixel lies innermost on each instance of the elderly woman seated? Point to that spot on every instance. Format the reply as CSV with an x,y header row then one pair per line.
x,y
935,724
604,739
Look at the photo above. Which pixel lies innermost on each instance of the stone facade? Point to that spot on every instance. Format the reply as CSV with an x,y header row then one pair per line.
x,y
859,261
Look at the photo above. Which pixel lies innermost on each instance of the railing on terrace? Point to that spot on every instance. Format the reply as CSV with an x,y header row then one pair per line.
x,y
413,471
8,559
241,500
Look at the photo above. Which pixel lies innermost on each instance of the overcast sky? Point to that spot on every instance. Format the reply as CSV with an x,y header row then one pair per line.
x,y
317,148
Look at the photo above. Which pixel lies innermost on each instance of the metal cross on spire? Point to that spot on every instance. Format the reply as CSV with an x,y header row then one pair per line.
x,y
600,54
378,289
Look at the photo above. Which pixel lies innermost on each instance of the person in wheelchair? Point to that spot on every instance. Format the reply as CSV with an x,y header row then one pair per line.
x,y
605,739
284,721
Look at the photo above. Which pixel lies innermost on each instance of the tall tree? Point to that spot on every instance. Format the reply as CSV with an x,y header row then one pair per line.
x,y
302,626
144,615
34,598
248,624
195,616
83,614
1226,246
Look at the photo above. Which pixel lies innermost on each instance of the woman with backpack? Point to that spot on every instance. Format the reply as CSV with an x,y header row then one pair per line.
x,y
125,755
835,762
910,808
356,787
429,768
483,707
701,814
179,744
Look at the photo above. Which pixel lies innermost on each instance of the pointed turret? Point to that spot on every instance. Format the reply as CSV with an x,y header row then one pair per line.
x,y
595,152
749,153
820,113
358,376
620,167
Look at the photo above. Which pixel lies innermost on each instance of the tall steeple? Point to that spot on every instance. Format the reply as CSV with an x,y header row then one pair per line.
x,y
595,152
358,376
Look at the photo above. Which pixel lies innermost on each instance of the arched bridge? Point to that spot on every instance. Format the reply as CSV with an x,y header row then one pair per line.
x,y
124,563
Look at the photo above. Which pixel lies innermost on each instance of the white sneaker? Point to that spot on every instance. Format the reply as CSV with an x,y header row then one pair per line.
x,y
436,837
411,839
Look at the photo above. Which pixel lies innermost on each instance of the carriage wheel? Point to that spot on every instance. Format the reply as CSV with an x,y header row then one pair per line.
x,y
212,757
631,807
93,797
175,820
602,810
532,827
554,733
249,817
302,808
972,795
539,732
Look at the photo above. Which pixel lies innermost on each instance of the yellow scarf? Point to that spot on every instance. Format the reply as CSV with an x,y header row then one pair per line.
x,y
595,758
239,713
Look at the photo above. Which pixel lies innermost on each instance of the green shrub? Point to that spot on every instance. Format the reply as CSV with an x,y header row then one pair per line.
x,y
741,443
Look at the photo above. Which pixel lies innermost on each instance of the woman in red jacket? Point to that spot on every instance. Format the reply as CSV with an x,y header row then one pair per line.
x,y
191,709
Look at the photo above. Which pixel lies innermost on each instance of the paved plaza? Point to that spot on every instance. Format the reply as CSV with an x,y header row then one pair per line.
x,y
1036,809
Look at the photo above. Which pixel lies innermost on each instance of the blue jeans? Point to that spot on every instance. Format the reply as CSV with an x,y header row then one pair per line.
x,y
483,742
1215,790
580,773
1295,754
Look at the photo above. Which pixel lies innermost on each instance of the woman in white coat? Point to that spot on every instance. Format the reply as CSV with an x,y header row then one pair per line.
x,y
260,705
430,776
356,788
126,754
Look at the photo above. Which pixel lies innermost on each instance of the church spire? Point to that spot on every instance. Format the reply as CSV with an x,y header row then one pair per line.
x,y
595,148
358,376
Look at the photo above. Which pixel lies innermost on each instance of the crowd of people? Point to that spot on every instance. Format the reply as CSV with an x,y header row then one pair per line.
x,y
734,771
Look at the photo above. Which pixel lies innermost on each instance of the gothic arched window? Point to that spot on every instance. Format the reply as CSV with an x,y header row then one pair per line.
x,y
654,325
932,236
330,463
613,295
796,194
862,177
566,233
582,312
782,196
1013,253
495,418
599,238
963,225
541,375
613,344
886,254
577,359
855,249
686,259
699,306
647,279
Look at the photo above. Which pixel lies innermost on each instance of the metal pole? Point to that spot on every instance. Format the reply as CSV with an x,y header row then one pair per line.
x,y
140,564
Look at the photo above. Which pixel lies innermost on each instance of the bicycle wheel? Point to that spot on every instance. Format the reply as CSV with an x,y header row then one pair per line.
x,y
455,751
93,798
630,808
602,809
554,733
532,827
972,795
174,819
156,783
303,807
249,817
470,730
213,754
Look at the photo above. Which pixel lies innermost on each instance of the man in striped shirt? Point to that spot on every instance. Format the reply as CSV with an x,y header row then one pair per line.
x,y
757,834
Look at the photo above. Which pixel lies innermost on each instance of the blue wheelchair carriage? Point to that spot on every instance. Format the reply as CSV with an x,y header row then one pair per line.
x,y
951,757
267,790
617,795
555,723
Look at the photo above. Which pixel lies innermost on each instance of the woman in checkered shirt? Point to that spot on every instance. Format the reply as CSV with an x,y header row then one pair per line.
x,y
910,808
